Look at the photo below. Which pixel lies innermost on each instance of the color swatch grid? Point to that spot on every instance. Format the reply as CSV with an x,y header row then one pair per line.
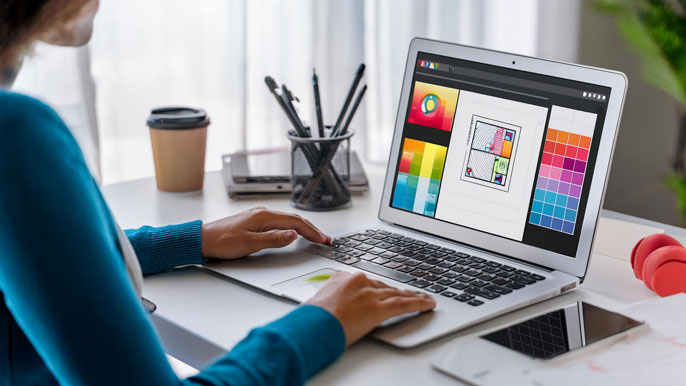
x,y
419,177
560,179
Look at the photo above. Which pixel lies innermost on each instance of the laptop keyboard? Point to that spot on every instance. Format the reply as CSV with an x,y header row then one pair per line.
x,y
453,274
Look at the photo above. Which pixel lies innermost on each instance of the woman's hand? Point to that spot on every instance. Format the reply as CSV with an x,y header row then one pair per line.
x,y
361,303
253,230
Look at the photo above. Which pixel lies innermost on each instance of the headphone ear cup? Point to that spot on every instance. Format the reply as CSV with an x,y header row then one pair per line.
x,y
664,271
646,246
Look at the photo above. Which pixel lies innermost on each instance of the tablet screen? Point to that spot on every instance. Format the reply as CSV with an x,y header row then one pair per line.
x,y
563,330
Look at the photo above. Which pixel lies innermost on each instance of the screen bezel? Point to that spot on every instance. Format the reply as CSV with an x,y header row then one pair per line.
x,y
577,265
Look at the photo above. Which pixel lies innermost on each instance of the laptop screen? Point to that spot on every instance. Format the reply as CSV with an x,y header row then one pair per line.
x,y
506,152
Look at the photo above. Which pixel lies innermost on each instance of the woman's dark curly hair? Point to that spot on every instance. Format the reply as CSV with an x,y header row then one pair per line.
x,y
24,21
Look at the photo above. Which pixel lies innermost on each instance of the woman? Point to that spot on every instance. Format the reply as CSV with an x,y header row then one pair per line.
x,y
70,312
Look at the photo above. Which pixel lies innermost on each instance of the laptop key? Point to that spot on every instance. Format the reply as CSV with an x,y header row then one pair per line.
x,y
383,232
383,271
420,283
537,277
366,256
412,262
493,264
450,258
418,273
395,249
438,254
380,261
392,265
500,281
388,255
465,278
405,268
450,275
475,302
446,281
437,270
425,266
400,258
477,265
432,277
359,237
446,264
396,235
477,259
481,292
352,243
420,256
465,297
458,268
490,270
364,247
463,255
433,260
408,252
372,242
523,279
486,277
478,283
384,245
348,260
472,272
436,288
498,289
376,251
504,274
447,250
515,285
433,246
522,272
343,249
507,268
379,237
459,285
448,294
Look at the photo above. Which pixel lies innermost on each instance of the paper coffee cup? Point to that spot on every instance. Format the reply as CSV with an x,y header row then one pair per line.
x,y
178,136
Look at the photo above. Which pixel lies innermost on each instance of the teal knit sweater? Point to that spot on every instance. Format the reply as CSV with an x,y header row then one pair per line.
x,y
68,312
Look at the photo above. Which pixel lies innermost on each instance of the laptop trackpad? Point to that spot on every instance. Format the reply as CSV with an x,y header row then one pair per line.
x,y
303,287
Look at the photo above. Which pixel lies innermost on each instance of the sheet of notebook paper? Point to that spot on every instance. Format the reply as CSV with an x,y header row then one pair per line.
x,y
654,356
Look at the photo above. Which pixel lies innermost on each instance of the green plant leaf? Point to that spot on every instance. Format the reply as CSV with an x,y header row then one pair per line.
x,y
655,68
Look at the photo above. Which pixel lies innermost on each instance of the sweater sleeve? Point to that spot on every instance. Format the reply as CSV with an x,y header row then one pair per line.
x,y
65,283
164,248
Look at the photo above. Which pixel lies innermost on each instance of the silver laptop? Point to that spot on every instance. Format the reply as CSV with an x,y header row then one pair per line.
x,y
493,188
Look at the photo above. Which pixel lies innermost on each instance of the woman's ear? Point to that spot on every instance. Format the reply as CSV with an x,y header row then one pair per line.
x,y
76,32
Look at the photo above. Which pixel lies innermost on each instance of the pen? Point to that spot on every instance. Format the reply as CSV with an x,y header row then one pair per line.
x,y
286,95
356,81
317,103
271,84
352,111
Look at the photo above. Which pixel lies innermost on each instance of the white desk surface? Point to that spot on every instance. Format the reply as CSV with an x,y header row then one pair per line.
x,y
200,315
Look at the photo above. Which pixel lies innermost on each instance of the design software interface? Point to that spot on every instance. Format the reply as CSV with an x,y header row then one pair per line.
x,y
502,151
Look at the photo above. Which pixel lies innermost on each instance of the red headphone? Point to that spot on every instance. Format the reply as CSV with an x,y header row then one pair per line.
x,y
660,261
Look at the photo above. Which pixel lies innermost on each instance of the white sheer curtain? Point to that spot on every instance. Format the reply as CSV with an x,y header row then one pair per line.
x,y
215,54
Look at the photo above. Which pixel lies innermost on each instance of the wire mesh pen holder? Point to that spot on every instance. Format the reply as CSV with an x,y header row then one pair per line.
x,y
320,172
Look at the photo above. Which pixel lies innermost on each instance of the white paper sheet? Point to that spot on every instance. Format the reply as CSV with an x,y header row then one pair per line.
x,y
654,356
616,238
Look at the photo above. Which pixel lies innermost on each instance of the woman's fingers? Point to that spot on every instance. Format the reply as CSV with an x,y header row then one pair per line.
x,y
276,220
398,305
274,239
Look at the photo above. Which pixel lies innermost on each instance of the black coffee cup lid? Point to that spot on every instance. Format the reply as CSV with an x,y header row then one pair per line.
x,y
177,118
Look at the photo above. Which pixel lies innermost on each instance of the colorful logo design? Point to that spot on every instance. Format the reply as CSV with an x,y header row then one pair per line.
x,y
419,177
433,106
491,155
